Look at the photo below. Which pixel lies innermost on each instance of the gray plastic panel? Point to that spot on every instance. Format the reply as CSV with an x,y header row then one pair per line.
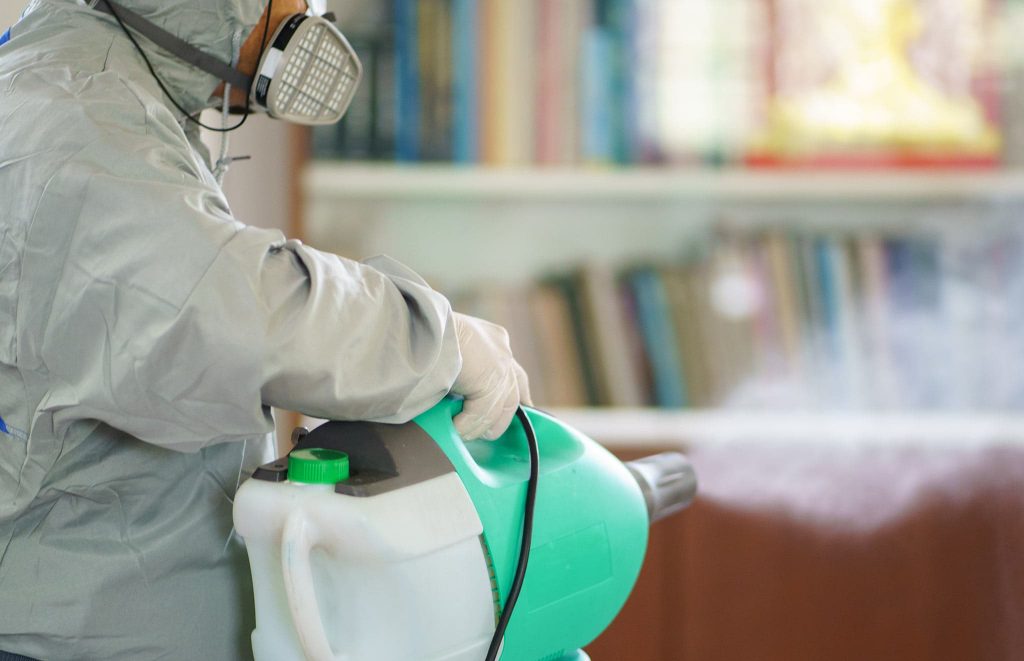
x,y
381,457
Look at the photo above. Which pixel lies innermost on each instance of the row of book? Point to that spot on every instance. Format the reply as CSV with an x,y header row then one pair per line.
x,y
777,319
763,82
538,81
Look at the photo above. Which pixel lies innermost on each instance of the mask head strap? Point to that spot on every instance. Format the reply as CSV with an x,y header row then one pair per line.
x,y
175,45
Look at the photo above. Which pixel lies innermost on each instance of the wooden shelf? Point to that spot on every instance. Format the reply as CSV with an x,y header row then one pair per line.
x,y
334,180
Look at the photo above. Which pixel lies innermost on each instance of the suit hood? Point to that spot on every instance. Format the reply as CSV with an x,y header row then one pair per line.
x,y
217,27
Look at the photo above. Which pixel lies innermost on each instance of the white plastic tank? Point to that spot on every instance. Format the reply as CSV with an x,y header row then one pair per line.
x,y
392,576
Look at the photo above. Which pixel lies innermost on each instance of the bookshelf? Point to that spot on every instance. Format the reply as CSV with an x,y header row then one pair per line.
x,y
471,224
647,140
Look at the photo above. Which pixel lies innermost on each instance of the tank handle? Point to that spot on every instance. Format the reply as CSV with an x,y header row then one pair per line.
x,y
296,545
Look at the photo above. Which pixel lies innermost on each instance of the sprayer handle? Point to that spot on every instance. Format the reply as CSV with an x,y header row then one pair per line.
x,y
296,545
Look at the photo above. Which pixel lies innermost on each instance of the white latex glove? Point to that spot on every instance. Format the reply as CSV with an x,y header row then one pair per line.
x,y
491,381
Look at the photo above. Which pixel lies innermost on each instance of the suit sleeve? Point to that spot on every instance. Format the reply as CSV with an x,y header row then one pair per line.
x,y
172,321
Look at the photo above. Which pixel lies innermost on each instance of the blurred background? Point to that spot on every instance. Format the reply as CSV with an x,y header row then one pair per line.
x,y
782,235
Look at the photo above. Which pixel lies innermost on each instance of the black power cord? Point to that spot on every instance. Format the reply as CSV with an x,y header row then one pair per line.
x,y
524,549
149,65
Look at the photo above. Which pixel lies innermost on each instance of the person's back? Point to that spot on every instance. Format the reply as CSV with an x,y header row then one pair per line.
x,y
144,333
100,532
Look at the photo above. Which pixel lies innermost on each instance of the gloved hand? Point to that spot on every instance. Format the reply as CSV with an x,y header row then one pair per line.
x,y
491,381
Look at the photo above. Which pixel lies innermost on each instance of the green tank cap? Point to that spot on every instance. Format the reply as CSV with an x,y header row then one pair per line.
x,y
317,466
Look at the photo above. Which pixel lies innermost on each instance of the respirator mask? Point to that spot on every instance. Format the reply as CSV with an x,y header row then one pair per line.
x,y
307,72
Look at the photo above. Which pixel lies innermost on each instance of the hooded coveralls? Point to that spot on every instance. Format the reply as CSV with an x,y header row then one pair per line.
x,y
143,334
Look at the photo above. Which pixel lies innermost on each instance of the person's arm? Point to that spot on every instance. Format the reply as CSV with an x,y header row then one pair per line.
x,y
170,320
348,340
397,326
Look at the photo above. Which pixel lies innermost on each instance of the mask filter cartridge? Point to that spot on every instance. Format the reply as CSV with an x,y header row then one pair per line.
x,y
309,74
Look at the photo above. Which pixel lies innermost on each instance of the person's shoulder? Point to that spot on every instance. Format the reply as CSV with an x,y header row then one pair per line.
x,y
68,110
75,96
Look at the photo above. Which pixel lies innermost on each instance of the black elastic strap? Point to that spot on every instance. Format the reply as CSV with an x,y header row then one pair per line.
x,y
177,46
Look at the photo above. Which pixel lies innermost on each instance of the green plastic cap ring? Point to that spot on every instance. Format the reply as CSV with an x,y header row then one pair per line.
x,y
317,466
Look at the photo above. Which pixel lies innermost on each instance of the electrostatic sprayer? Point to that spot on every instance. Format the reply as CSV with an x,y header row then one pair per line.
x,y
380,542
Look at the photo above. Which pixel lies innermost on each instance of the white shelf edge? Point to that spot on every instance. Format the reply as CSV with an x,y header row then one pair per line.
x,y
655,428
333,180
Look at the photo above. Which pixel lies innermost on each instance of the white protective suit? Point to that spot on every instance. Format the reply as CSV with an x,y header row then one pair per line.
x,y
143,334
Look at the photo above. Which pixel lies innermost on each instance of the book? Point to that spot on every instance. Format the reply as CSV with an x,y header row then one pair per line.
x,y
465,76
491,85
689,313
578,16
552,22
385,100
784,288
407,81
435,75
622,17
659,336
619,379
568,287
813,321
764,320
645,74
635,342
561,370
596,95
848,357
519,68
874,317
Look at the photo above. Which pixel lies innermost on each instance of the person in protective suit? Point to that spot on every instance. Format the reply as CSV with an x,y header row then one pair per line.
x,y
145,333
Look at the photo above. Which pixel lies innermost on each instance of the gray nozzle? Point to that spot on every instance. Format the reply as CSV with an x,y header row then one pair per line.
x,y
667,481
